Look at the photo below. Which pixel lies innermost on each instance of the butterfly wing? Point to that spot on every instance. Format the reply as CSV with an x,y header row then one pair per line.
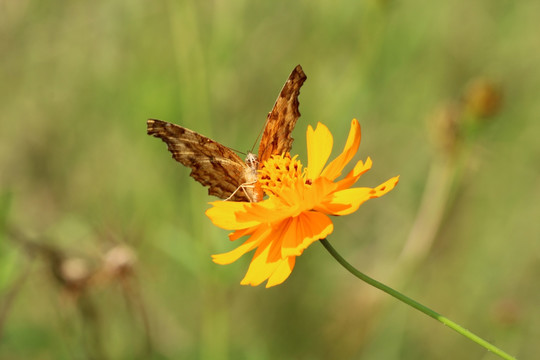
x,y
281,120
211,163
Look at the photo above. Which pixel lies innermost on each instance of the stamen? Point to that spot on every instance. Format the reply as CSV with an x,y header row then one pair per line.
x,y
279,171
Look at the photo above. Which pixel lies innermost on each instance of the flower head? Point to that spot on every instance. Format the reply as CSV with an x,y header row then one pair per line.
x,y
296,212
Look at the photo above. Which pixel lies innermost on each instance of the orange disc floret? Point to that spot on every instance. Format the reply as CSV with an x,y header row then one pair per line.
x,y
279,171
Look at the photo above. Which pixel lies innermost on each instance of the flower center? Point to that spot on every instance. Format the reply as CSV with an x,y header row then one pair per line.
x,y
279,171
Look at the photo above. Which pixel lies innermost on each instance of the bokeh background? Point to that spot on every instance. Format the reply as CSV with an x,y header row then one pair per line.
x,y
105,248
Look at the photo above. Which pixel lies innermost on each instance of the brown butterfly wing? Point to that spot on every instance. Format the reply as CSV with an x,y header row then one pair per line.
x,y
211,163
281,120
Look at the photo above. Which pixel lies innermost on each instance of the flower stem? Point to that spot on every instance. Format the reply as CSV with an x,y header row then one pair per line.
x,y
414,304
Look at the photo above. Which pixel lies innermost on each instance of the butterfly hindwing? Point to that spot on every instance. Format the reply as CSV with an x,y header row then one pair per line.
x,y
211,163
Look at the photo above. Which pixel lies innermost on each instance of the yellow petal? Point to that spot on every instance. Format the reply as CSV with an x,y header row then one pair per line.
x,y
260,268
290,239
242,232
334,169
259,236
319,147
266,211
385,187
224,215
282,272
308,227
278,234
347,201
352,177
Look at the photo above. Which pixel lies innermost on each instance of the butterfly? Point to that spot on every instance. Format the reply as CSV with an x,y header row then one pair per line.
x,y
219,167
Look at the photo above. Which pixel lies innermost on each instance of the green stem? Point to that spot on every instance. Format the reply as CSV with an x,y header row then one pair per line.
x,y
415,304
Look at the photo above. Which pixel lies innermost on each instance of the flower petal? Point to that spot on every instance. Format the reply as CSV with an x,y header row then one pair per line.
x,y
347,201
352,177
261,234
319,147
267,211
242,232
307,228
282,272
334,169
260,268
223,215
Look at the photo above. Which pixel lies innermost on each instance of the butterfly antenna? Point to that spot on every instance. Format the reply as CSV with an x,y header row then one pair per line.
x,y
259,136
238,151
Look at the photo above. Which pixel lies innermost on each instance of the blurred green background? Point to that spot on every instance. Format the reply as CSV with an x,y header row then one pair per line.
x,y
85,191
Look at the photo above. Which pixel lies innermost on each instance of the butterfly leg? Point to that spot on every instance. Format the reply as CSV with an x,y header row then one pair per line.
x,y
250,185
243,187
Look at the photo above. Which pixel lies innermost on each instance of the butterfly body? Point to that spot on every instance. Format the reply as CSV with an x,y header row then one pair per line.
x,y
218,167
252,187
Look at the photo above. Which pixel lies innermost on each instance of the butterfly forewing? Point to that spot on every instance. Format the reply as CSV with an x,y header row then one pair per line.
x,y
211,163
280,122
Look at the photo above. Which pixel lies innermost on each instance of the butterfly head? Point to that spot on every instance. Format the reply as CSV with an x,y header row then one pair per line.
x,y
251,161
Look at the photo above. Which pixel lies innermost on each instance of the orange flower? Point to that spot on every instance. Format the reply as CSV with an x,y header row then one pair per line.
x,y
296,211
